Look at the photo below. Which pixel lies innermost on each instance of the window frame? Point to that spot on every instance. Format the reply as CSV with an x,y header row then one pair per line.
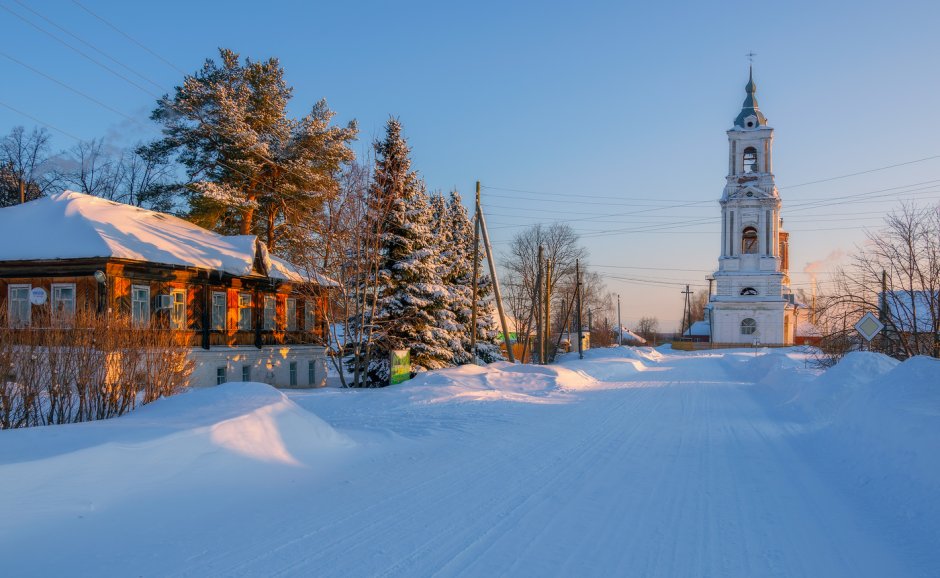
x,y
750,326
145,311
246,373
292,372
268,323
178,322
221,375
216,326
310,315
54,298
244,320
12,319
290,311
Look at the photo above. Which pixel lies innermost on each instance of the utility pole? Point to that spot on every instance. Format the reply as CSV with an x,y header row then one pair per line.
x,y
547,353
710,281
476,275
496,292
22,192
686,314
577,274
537,305
619,324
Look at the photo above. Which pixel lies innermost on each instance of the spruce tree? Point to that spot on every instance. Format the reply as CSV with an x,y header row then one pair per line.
x,y
410,312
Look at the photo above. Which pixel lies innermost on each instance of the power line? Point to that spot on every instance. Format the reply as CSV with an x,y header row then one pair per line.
x,y
128,36
34,119
865,172
84,55
90,45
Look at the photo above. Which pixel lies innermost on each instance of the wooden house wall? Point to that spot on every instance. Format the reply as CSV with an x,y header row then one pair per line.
x,y
198,284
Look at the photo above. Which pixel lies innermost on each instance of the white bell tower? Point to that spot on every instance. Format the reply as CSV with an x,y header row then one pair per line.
x,y
752,302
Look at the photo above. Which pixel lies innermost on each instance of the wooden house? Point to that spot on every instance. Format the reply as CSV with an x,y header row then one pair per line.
x,y
248,316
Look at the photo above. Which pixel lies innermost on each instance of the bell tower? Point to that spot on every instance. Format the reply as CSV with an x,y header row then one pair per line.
x,y
753,302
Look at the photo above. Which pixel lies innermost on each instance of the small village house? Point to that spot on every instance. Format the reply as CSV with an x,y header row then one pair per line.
x,y
247,315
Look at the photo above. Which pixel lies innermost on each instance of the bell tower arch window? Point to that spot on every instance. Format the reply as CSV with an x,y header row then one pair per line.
x,y
749,244
750,160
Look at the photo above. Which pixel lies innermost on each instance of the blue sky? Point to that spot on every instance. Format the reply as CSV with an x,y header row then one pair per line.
x,y
599,109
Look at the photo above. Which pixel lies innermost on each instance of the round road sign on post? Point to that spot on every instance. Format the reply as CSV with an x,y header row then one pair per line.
x,y
37,296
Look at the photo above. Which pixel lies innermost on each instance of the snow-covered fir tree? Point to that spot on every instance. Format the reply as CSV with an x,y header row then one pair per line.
x,y
411,310
454,273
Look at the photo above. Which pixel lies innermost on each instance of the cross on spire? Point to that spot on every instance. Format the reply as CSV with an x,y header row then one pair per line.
x,y
750,57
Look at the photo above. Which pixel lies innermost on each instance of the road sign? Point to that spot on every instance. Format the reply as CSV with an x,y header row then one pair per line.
x,y
869,326
37,296
400,366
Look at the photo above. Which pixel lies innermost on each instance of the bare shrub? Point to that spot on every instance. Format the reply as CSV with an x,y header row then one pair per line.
x,y
82,367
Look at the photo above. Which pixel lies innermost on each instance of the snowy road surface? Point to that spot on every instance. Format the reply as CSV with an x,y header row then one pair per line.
x,y
620,465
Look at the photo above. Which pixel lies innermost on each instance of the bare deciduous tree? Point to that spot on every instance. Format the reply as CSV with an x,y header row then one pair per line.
x,y
904,257
25,161
648,328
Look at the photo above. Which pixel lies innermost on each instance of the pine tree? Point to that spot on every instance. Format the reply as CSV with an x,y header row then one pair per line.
x,y
410,312
251,168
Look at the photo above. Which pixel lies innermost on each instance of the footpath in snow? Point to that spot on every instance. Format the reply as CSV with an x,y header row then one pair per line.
x,y
631,462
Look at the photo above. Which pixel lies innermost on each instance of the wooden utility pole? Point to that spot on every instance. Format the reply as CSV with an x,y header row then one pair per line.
x,y
496,292
537,306
686,314
577,288
619,324
22,192
548,354
710,281
566,307
476,275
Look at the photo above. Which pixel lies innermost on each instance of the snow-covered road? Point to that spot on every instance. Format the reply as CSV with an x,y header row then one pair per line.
x,y
628,466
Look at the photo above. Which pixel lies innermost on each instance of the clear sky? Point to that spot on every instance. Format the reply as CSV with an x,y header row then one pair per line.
x,y
611,114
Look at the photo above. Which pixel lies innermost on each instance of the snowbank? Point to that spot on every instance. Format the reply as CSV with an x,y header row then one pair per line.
x,y
201,438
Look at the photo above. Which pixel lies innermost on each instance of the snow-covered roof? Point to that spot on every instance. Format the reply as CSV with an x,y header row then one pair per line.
x,y
628,335
699,329
909,309
805,328
73,225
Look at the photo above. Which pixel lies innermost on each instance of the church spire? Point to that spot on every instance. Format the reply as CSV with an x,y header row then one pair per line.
x,y
749,108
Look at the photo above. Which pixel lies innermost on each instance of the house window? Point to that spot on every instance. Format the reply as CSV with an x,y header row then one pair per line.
x,y
220,376
311,372
270,309
293,373
246,373
292,314
219,306
310,315
178,310
750,160
749,241
748,326
140,304
19,308
63,299
244,311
